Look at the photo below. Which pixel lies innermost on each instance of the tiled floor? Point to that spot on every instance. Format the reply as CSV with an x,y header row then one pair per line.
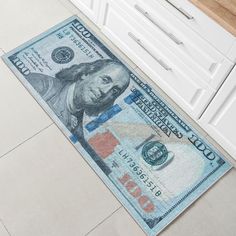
x,y
46,188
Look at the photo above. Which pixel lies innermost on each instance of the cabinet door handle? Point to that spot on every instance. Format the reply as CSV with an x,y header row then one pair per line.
x,y
140,43
181,10
150,18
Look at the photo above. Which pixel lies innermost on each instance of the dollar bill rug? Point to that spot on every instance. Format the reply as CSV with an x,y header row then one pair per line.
x,y
154,162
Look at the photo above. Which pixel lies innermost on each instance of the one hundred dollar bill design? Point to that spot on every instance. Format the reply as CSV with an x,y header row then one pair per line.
x,y
153,161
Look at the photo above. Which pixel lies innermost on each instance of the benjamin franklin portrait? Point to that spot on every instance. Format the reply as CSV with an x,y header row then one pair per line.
x,y
89,88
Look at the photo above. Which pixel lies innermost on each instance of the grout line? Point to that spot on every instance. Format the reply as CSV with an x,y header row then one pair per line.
x,y
2,52
26,140
5,227
103,221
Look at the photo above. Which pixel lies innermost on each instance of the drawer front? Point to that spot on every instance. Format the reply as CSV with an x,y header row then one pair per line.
x,y
89,7
178,81
219,118
198,21
198,55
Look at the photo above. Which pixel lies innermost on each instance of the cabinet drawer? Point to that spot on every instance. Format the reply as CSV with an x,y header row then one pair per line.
x,y
219,118
198,55
171,75
198,21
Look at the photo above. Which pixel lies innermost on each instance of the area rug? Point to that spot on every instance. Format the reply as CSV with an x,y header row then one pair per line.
x,y
153,161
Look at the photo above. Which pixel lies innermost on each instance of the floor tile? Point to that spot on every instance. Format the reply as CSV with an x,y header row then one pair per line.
x,y
24,19
3,231
119,224
47,189
213,214
21,116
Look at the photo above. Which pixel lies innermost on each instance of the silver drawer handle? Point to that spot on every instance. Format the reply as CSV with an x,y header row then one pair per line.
x,y
140,43
181,10
149,17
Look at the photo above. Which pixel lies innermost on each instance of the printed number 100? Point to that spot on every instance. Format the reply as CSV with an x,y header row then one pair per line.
x,y
133,188
202,147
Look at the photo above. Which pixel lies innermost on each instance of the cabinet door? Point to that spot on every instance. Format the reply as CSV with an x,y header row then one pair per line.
x,y
219,118
89,7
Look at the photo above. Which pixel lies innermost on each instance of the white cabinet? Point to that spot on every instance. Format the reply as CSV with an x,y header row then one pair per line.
x,y
220,117
178,60
192,50
198,21
90,8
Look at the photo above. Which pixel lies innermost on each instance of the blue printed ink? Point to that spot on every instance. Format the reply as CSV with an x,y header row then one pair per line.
x,y
73,138
92,126
105,116
131,98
